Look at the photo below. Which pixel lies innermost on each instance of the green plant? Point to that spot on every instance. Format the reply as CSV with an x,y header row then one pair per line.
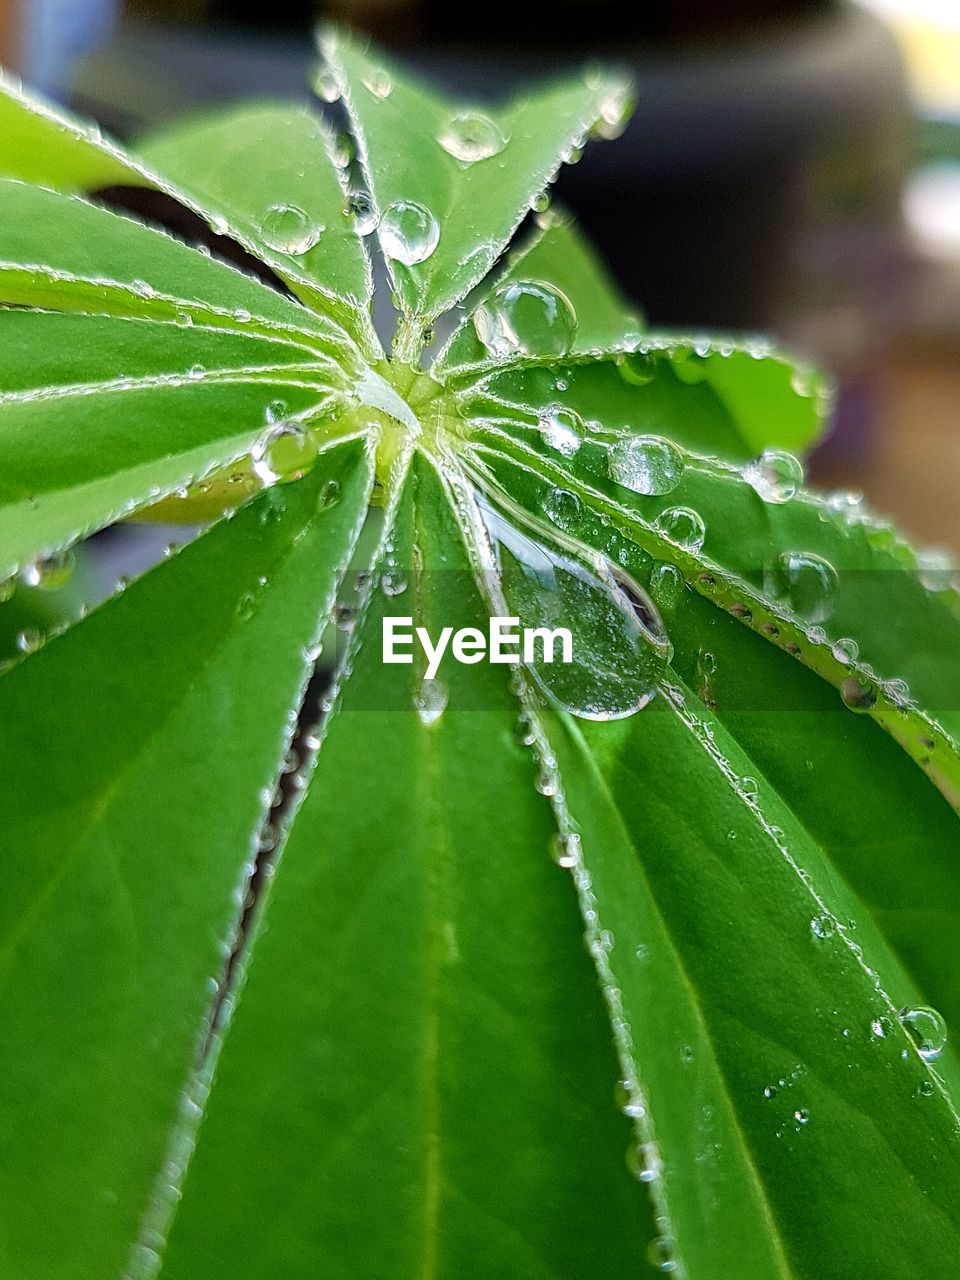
x,y
399,1051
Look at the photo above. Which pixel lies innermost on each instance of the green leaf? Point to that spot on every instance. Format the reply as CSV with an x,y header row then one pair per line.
x,y
474,206
437,1081
759,1093
559,255
137,753
42,144
101,416
730,403
268,172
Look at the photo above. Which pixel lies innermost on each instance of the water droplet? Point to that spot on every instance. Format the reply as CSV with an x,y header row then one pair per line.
x,y
770,1091
823,926
644,1162
562,507
688,367
926,1089
858,695
393,583
637,368
285,453
50,572
540,203
246,606
775,475
845,650
378,83
526,317
409,232
287,229
936,570
565,849
616,107
29,640
802,1115
617,643
648,465
881,1028
361,209
326,84
471,136
562,429
7,588
430,701
683,526
808,583
927,1029
666,585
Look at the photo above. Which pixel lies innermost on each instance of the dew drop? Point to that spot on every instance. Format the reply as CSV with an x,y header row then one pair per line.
x,y
806,582
285,453
526,317
666,585
29,640
775,475
565,849
562,506
823,926
50,572
287,229
326,84
7,588
644,1162
881,1028
618,644
683,526
857,694
648,465
393,583
471,136
926,1028
562,430
637,368
378,83
430,701
936,570
246,606
409,232
845,650
802,1115
770,1091
361,209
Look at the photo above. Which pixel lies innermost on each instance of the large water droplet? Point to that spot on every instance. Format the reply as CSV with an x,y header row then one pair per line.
x,y
471,136
287,229
430,701
378,83
29,640
50,572
326,84
619,647
858,695
648,465
285,453
526,317
806,582
409,233
927,1029
775,475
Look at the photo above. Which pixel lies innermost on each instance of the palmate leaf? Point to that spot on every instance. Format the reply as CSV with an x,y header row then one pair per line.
x,y
408,1068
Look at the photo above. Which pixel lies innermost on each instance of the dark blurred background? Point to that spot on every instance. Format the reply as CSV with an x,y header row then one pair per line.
x,y
792,168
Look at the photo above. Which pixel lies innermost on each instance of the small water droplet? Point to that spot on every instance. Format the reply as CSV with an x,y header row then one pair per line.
x,y
526,317
361,209
926,1089
666,585
378,83
857,694
540,203
409,232
637,368
806,582
326,84
565,849
802,1115
562,429
246,606
393,583
683,526
644,1162
471,136
845,650
881,1027
770,1091
648,465
562,506
936,570
285,453
287,229
50,572
927,1029
29,640
823,926
775,475
430,701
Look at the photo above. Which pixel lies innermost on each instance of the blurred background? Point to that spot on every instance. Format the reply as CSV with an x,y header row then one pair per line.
x,y
792,168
